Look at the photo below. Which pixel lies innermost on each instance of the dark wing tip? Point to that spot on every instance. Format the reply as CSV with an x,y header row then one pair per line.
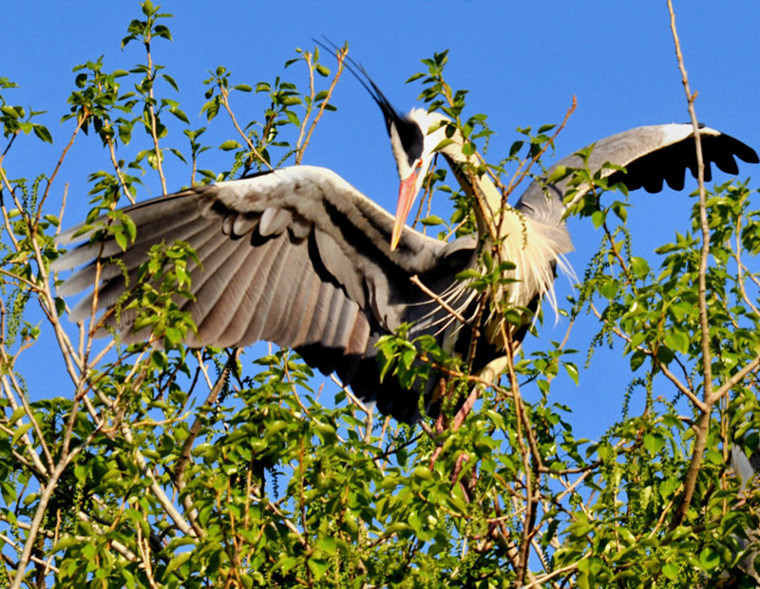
x,y
722,150
743,151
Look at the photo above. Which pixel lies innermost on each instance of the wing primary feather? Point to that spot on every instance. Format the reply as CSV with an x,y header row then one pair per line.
x,y
260,297
210,312
297,300
113,289
236,306
297,328
285,291
318,321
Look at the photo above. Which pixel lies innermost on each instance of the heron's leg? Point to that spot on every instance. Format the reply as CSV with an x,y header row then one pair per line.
x,y
493,370
489,373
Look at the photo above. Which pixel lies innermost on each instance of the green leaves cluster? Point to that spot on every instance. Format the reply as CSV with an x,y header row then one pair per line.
x,y
162,466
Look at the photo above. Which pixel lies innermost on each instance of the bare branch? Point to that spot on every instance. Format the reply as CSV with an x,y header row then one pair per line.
x,y
703,423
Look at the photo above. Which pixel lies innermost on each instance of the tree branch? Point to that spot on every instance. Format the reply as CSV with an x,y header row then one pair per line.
x,y
703,423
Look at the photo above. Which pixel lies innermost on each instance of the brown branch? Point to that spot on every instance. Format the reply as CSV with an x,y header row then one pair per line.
x,y
734,380
539,581
251,147
66,456
740,266
117,169
15,546
521,174
10,144
6,217
616,253
525,453
45,194
701,405
64,199
301,147
703,423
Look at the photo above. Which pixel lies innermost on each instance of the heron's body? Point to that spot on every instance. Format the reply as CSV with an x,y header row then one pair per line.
x,y
301,258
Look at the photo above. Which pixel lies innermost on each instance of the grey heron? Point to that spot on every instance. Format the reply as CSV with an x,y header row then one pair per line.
x,y
299,257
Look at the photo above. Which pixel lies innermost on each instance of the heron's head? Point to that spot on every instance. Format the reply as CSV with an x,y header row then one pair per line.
x,y
414,138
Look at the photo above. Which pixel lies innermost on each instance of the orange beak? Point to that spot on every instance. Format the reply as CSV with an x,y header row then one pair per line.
x,y
406,194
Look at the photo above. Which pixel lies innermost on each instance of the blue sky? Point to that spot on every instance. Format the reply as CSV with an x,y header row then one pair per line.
x,y
522,64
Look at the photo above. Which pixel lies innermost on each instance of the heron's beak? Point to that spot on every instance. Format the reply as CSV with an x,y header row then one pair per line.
x,y
406,193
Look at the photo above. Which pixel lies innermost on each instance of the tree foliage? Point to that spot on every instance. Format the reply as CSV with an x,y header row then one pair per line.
x,y
162,466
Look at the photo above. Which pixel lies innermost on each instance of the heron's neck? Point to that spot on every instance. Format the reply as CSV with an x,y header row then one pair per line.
x,y
488,198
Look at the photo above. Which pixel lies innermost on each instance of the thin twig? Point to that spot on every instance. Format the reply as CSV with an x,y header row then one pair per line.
x,y
251,147
734,380
301,147
153,119
740,266
66,456
521,174
448,308
45,194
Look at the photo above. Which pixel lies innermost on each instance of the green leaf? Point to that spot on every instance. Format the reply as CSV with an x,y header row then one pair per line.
x,y
327,545
177,562
16,415
20,431
318,567
637,359
677,340
180,115
423,473
432,220
709,559
43,133
654,443
620,210
469,273
609,289
598,218
572,371
640,267
670,570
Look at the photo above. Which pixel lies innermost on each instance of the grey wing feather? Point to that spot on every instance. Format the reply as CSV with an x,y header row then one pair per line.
x,y
650,154
296,256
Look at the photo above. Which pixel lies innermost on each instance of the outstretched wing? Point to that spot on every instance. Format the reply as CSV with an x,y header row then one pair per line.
x,y
296,256
651,155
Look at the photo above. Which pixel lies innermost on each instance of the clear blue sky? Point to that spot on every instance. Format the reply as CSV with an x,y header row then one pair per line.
x,y
522,63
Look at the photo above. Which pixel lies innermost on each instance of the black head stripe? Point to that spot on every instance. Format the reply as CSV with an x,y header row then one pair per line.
x,y
411,138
